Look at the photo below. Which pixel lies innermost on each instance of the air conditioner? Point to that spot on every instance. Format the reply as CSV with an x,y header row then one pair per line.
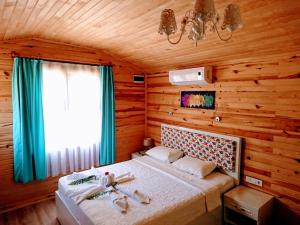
x,y
200,76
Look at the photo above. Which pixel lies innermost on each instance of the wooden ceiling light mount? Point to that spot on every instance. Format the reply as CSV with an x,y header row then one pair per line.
x,y
204,17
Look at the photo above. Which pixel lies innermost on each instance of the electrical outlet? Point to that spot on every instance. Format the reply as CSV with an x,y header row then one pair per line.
x,y
254,181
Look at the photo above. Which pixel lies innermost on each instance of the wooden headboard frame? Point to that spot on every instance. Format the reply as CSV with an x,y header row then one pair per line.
x,y
237,140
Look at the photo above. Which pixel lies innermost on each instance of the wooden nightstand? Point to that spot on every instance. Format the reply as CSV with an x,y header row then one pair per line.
x,y
246,206
137,154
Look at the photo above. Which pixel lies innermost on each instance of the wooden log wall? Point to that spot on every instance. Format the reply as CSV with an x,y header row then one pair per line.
x,y
257,100
130,112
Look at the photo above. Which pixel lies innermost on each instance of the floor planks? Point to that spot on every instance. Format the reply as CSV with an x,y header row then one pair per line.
x,y
43,213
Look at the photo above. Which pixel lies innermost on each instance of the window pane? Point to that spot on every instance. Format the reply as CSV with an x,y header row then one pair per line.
x,y
71,106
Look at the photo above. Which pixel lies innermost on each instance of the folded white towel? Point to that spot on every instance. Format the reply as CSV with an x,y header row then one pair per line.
x,y
94,171
136,195
141,197
89,192
124,178
123,175
119,201
77,176
73,192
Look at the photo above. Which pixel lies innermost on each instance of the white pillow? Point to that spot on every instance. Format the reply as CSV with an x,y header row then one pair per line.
x,y
164,154
194,166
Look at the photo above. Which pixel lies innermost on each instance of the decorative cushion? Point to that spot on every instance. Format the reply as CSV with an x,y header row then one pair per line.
x,y
221,151
164,154
195,166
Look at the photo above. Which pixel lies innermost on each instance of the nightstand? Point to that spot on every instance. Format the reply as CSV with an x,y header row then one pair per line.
x,y
137,154
246,206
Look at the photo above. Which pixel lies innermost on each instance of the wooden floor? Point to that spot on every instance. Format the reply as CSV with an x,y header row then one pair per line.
x,y
43,213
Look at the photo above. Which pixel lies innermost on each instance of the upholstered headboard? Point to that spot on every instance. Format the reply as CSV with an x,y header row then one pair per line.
x,y
221,149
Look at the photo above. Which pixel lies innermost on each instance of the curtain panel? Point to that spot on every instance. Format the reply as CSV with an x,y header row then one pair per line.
x,y
107,99
72,114
28,121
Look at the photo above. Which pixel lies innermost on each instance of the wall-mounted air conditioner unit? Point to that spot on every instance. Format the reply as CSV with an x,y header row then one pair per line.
x,y
200,76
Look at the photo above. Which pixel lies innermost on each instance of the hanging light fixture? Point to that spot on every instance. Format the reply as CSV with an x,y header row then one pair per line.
x,y
204,17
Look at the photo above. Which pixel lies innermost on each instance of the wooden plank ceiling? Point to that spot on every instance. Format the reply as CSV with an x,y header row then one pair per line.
x,y
128,29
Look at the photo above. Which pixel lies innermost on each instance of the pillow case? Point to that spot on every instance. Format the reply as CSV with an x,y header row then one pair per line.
x,y
164,154
195,166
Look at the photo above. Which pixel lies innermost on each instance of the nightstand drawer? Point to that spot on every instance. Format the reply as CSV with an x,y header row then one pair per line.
x,y
240,208
243,205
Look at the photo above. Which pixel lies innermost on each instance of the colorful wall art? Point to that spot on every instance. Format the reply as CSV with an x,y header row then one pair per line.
x,y
198,99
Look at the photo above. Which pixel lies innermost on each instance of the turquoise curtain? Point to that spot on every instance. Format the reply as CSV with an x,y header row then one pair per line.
x,y
108,133
28,123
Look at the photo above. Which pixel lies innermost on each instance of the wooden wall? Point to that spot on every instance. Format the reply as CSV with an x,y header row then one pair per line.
x,y
130,111
258,100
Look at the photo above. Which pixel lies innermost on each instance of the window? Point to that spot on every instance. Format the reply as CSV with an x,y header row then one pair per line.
x,y
72,116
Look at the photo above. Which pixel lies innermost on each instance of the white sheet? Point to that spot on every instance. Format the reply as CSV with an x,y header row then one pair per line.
x,y
176,197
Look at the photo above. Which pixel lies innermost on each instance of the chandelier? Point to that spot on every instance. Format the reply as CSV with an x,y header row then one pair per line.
x,y
203,18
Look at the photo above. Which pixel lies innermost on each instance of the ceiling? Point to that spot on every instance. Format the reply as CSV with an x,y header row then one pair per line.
x,y
128,29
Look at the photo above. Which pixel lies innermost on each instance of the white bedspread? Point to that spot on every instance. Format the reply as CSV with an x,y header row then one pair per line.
x,y
176,197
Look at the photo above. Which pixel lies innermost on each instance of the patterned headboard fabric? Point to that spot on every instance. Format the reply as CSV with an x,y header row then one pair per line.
x,y
223,150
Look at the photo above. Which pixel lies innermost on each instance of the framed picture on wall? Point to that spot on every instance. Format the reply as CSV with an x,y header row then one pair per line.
x,y
197,99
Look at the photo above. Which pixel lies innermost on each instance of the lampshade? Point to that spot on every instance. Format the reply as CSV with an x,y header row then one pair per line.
x,y
167,22
197,32
232,18
205,10
148,142
202,19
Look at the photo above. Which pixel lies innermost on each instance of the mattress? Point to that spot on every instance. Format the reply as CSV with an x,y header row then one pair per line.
x,y
176,197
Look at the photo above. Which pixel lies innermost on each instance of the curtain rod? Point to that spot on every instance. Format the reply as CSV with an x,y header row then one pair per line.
x,y
14,55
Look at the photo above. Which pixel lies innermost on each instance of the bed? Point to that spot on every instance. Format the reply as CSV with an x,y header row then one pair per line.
x,y
176,197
